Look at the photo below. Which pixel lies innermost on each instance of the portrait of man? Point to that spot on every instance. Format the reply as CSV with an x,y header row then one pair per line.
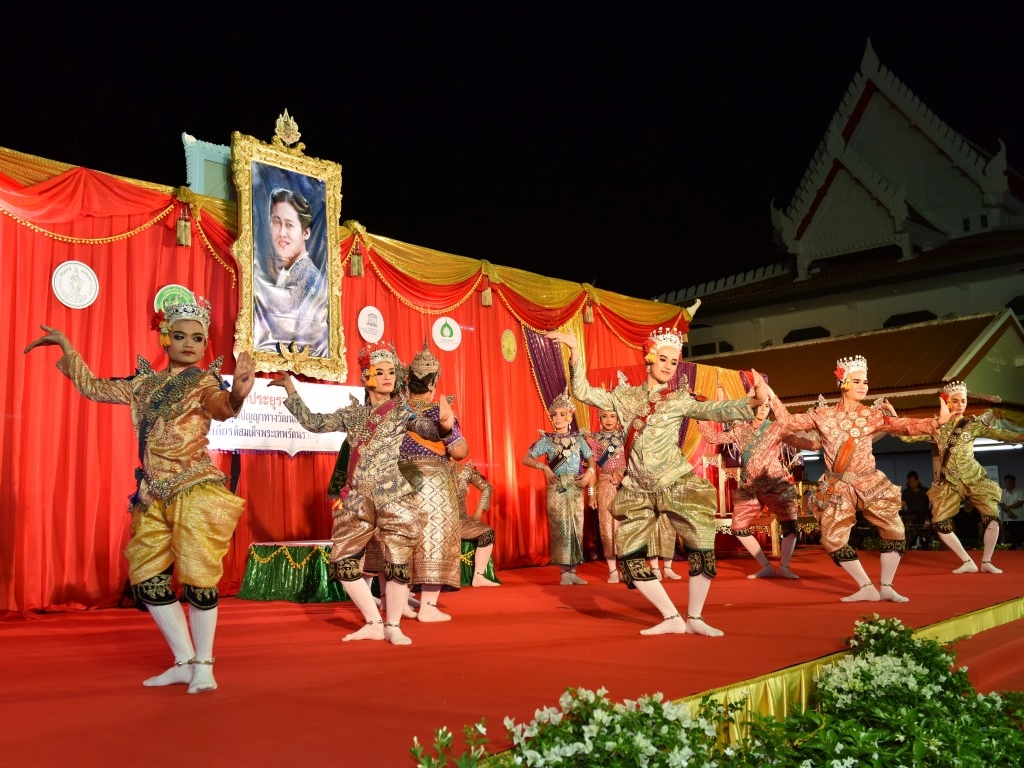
x,y
290,285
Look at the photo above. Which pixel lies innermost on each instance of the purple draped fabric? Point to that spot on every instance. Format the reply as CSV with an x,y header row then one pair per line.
x,y
548,366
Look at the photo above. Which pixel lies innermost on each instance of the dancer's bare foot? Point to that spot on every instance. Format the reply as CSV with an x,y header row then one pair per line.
x,y
394,635
866,593
967,566
670,574
657,573
766,572
890,594
671,625
430,612
613,577
576,579
987,567
785,573
372,630
179,674
695,625
479,580
202,676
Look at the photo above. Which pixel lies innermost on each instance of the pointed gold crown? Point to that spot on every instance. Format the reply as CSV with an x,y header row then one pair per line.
x,y
425,363
562,401
846,364
955,386
198,311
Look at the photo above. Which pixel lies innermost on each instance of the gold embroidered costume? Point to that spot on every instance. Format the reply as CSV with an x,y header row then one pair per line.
x,y
181,512
376,499
659,480
960,477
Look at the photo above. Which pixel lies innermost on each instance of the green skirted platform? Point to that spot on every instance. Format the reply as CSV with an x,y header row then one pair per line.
x,y
299,572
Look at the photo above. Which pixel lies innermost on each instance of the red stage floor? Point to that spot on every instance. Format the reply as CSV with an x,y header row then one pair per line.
x,y
291,691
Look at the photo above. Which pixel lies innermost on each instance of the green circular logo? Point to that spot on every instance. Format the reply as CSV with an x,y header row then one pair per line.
x,y
170,295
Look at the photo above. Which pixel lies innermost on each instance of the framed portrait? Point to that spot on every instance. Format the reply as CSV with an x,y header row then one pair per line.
x,y
287,254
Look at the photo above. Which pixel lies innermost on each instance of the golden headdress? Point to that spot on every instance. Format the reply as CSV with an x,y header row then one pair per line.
x,y
425,363
184,307
562,401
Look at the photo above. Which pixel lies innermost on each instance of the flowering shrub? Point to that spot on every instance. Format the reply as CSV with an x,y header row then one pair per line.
x,y
894,700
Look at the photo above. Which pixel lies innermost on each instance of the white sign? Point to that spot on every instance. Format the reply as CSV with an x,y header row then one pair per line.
x,y
370,323
264,424
447,333
75,284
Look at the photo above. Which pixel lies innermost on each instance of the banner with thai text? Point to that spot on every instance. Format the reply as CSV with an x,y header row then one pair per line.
x,y
266,425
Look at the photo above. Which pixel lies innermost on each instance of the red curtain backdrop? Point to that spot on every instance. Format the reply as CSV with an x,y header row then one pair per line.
x,y
66,463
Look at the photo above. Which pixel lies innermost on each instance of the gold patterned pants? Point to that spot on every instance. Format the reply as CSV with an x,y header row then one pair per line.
x,y
191,530
836,504
779,497
689,504
395,526
946,498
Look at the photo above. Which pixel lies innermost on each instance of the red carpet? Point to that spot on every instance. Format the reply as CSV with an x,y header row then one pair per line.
x,y
291,691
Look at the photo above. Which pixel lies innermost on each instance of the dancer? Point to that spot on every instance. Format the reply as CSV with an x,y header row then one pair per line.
x,y
765,483
473,527
564,452
659,480
961,479
425,464
377,499
851,482
182,516
607,445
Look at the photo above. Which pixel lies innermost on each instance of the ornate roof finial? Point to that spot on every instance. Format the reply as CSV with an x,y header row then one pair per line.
x,y
286,134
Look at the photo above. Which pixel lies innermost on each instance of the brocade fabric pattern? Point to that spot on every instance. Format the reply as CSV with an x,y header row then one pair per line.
x,y
423,459
765,481
178,410
659,479
181,513
851,480
960,476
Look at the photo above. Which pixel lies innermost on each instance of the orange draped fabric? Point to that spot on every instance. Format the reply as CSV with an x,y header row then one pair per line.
x,y
66,463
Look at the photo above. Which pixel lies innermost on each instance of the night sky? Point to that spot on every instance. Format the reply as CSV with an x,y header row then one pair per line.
x,y
637,146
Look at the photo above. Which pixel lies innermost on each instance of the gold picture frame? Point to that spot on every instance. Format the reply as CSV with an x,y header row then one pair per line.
x,y
289,206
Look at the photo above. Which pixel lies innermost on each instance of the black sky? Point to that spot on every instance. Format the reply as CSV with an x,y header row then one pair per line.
x,y
638,145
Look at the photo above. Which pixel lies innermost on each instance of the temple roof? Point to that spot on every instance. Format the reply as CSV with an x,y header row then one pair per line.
x,y
907,365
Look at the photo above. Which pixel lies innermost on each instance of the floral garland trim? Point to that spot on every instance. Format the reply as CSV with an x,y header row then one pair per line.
x,y
322,551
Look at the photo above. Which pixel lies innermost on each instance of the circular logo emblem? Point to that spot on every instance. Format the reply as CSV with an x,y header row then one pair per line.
x,y
75,284
371,324
508,346
446,334
170,295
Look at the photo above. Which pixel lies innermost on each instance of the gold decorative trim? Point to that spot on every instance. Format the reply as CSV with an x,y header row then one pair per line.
x,y
248,153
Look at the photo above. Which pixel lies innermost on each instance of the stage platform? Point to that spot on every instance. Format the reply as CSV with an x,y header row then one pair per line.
x,y
291,690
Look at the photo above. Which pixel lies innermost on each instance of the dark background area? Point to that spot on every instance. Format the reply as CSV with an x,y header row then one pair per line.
x,y
636,146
